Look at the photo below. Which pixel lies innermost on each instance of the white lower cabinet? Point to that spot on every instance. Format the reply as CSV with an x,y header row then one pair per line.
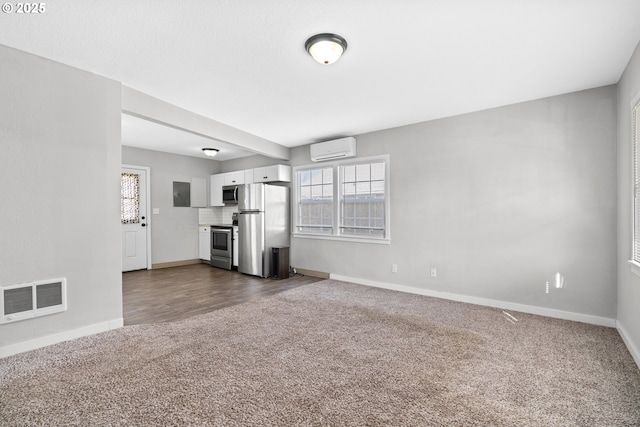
x,y
236,246
204,243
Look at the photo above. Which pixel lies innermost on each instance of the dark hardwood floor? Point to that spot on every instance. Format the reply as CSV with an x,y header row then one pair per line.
x,y
170,294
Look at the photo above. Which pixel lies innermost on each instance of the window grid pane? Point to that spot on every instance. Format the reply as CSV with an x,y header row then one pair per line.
x,y
130,198
362,207
315,201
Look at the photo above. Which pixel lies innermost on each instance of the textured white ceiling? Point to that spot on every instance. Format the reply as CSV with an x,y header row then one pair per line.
x,y
243,63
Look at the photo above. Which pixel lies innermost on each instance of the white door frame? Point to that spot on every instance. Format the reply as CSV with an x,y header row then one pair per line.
x,y
147,169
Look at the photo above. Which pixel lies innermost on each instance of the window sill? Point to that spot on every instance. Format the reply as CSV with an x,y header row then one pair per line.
x,y
375,241
634,267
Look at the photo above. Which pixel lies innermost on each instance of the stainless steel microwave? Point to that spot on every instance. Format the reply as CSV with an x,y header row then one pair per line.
x,y
230,194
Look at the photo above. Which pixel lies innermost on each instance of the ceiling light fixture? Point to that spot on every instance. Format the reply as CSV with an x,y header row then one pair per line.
x,y
210,151
326,48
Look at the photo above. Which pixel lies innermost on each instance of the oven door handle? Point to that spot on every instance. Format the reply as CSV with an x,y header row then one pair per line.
x,y
221,230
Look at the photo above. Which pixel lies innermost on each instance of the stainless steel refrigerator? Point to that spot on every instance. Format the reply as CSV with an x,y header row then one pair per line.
x,y
263,224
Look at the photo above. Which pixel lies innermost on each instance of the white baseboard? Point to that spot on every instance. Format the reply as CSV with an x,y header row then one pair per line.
x,y
630,346
504,305
33,344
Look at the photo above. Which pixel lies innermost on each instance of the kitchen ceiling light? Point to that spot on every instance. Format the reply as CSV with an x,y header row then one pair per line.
x,y
210,151
326,48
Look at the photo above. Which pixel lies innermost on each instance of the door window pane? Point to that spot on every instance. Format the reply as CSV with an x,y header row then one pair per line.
x,y
130,198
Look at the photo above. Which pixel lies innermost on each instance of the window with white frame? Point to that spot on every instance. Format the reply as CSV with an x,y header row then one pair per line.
x,y
315,200
362,199
635,135
347,200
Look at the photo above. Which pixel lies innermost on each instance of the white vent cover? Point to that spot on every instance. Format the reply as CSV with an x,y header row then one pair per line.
x,y
335,149
28,300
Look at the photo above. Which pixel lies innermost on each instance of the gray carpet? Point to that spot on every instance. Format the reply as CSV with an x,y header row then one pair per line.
x,y
331,353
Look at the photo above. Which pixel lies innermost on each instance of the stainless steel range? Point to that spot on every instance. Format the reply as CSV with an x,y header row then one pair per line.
x,y
222,246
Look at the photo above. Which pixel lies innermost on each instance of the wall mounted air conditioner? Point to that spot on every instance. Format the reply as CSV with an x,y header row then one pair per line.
x,y
332,150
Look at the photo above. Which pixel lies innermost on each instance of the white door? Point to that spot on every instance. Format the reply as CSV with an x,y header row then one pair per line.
x,y
133,216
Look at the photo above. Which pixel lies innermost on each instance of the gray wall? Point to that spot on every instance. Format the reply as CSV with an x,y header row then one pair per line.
x,y
174,232
628,282
60,186
499,201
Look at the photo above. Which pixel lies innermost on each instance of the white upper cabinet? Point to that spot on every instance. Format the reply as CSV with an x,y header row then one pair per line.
x,y
275,173
198,193
281,173
234,178
217,182
248,176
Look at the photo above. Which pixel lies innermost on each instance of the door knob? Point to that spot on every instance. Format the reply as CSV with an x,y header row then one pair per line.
x,y
143,224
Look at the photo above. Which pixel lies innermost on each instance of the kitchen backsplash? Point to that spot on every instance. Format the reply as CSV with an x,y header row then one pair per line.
x,y
208,216
216,215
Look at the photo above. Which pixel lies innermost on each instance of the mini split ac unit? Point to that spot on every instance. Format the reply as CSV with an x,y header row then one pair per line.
x,y
335,149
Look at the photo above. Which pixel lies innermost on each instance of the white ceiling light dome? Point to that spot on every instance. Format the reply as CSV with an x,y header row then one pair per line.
x,y
326,48
210,151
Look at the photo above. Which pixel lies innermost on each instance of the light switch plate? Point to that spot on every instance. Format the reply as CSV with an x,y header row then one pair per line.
x,y
156,211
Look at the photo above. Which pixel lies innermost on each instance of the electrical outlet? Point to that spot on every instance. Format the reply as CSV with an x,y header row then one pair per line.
x,y
434,272
394,268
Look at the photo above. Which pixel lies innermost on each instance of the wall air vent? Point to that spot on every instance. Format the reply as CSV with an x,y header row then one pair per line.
x,y
35,299
333,150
